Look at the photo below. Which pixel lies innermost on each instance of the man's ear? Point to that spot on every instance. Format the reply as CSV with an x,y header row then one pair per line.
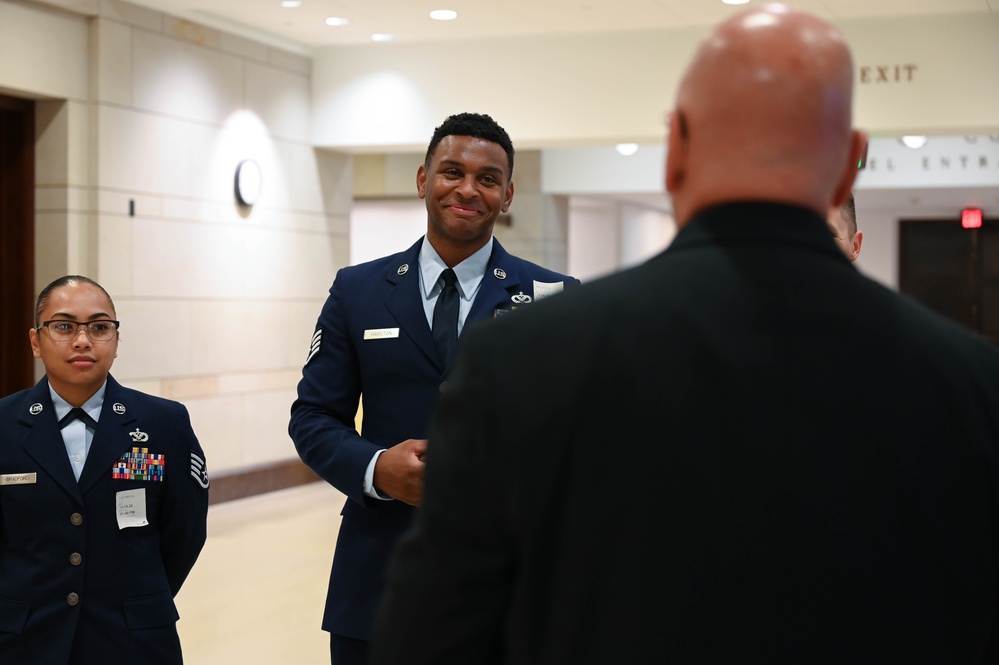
x,y
858,240
676,151
508,199
421,181
858,145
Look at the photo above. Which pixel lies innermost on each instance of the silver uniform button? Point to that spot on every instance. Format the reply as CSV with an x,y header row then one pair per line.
x,y
75,558
76,519
73,599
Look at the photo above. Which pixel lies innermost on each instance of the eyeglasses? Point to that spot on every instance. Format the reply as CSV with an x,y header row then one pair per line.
x,y
62,330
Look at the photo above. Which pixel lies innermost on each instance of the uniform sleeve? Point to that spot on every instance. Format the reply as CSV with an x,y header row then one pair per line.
x,y
322,417
184,513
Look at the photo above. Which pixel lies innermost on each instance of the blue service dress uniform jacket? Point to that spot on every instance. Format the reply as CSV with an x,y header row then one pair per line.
x,y
373,338
74,587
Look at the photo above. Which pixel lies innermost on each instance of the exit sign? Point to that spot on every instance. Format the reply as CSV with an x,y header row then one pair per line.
x,y
971,218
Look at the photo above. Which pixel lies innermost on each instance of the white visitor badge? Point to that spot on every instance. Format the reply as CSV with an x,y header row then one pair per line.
x,y
131,508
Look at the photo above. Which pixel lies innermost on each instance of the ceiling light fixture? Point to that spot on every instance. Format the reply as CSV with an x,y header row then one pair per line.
x,y
337,21
914,142
443,14
382,37
291,3
626,149
735,2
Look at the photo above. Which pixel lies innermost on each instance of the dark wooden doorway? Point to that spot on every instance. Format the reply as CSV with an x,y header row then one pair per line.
x,y
17,241
953,270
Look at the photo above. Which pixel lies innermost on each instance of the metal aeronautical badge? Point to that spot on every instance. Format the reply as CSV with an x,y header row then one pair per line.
x,y
118,408
138,437
499,273
520,298
403,269
35,409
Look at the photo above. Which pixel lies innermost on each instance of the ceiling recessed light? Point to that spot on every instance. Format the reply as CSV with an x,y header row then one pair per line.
x,y
336,20
291,3
735,2
382,37
626,149
443,14
913,142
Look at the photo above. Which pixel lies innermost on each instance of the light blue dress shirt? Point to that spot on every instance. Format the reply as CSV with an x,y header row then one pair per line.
x,y
77,435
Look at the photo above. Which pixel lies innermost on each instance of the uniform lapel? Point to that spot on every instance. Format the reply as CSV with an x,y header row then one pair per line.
x,y
405,301
500,281
43,442
111,440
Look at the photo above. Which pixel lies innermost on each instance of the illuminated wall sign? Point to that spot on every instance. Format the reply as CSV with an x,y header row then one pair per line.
x,y
971,218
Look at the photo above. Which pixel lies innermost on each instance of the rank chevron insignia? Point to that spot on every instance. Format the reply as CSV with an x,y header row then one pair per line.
x,y
199,471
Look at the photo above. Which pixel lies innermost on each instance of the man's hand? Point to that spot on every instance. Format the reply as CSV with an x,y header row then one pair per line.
x,y
399,471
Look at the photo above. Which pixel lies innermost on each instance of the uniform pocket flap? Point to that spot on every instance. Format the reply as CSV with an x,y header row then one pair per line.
x,y
150,612
13,615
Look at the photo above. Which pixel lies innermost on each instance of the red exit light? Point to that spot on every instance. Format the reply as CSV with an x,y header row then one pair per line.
x,y
971,218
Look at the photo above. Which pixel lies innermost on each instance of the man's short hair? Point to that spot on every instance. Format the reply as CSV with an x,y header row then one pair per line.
x,y
478,125
65,280
849,213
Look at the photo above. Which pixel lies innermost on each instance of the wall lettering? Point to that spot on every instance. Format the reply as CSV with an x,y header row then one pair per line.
x,y
875,74
938,163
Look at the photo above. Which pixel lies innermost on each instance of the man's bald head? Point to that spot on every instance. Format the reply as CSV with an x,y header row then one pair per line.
x,y
764,113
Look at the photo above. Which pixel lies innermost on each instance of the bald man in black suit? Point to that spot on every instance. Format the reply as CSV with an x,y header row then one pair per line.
x,y
743,450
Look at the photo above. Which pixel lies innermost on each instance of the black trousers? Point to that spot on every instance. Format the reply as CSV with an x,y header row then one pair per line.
x,y
347,651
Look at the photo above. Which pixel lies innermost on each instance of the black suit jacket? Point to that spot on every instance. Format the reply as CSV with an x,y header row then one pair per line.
x,y
373,340
74,587
741,450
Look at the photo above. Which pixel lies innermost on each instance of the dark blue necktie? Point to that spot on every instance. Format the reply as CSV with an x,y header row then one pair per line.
x,y
445,326
77,412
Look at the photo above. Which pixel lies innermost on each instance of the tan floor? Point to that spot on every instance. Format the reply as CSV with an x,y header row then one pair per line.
x,y
257,593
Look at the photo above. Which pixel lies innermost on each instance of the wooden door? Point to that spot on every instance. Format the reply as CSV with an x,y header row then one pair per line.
x,y
17,241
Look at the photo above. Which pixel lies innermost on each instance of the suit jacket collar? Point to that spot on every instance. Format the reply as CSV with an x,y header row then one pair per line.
x,y
500,281
405,301
758,223
44,443
111,439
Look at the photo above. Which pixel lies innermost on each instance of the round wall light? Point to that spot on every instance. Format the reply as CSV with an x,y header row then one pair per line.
x,y
248,181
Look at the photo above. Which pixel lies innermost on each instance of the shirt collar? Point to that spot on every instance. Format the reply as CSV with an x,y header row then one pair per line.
x,y
469,272
92,406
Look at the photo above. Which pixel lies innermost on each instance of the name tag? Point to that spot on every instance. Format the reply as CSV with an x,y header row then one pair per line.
x,y
381,333
543,290
19,479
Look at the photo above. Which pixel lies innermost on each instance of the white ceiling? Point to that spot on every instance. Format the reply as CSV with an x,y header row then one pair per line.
x,y
304,28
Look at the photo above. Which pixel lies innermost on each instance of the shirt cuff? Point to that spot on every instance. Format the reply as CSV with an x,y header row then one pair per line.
x,y
369,479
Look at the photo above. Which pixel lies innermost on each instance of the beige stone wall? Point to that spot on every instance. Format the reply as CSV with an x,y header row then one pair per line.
x,y
140,111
